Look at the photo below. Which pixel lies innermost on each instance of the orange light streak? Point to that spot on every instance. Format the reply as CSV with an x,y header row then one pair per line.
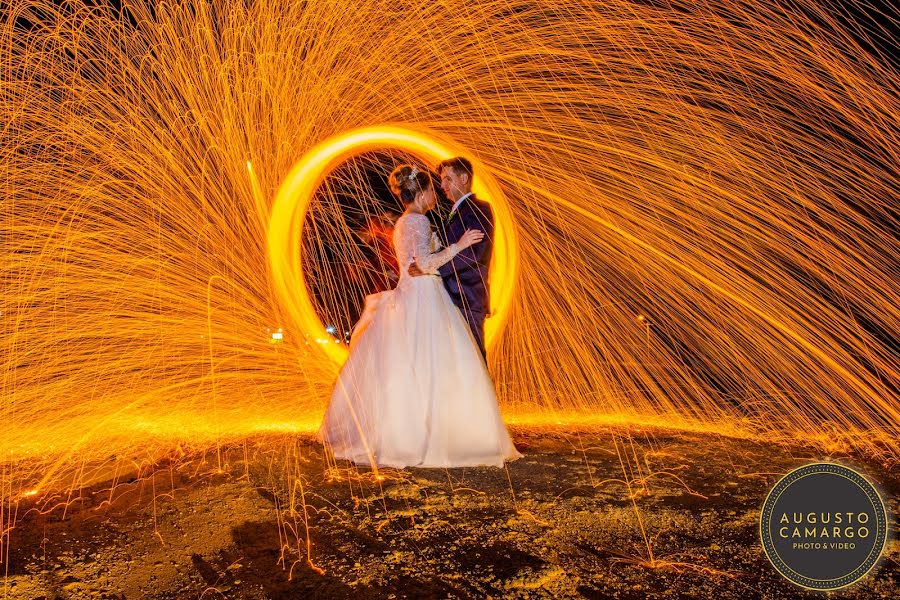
x,y
696,207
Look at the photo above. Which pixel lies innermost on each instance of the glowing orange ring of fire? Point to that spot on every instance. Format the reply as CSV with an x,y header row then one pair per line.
x,y
295,193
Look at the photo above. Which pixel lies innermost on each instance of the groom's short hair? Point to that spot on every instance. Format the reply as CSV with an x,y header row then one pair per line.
x,y
459,164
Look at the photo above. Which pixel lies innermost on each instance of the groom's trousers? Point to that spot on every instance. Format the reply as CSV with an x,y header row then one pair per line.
x,y
476,324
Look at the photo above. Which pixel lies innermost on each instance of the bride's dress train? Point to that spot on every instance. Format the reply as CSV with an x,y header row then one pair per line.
x,y
415,390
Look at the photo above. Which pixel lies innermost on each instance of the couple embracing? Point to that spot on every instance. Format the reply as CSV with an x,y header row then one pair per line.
x,y
415,390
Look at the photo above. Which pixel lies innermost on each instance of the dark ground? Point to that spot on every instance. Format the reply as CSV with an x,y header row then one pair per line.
x,y
558,523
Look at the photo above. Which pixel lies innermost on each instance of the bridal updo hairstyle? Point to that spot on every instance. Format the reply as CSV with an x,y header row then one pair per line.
x,y
406,181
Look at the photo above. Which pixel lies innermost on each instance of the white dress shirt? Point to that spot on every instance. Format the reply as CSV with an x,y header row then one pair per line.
x,y
458,202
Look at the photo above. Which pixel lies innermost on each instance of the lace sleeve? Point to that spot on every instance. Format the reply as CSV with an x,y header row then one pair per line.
x,y
414,244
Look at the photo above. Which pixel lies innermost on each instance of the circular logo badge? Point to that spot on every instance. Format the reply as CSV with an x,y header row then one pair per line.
x,y
823,526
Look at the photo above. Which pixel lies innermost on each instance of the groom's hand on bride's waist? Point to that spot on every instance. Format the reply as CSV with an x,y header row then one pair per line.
x,y
415,271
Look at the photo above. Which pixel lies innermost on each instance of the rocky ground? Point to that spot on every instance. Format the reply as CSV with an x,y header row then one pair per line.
x,y
602,513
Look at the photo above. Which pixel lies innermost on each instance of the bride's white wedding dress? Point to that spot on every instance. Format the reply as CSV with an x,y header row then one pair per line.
x,y
415,390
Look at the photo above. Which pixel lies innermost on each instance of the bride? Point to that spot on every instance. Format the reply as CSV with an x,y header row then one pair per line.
x,y
415,390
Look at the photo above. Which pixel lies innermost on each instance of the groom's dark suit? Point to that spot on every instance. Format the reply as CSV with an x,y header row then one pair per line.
x,y
466,276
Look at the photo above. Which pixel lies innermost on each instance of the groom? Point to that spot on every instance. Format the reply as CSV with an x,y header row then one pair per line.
x,y
466,276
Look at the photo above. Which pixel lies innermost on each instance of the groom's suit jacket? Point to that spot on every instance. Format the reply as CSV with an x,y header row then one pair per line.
x,y
466,276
